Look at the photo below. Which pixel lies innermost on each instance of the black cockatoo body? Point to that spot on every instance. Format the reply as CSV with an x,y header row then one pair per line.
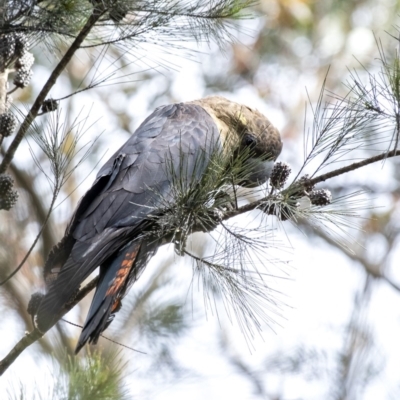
x,y
107,228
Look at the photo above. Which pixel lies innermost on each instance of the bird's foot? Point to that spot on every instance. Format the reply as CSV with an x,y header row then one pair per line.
x,y
34,304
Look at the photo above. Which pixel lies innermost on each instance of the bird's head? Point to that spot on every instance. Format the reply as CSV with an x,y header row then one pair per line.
x,y
245,131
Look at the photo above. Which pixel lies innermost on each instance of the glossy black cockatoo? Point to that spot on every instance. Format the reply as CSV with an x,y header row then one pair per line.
x,y
108,228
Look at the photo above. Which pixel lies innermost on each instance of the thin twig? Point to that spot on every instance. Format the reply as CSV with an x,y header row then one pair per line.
x,y
107,338
39,234
13,90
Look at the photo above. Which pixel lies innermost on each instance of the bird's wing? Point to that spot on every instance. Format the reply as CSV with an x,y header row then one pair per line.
x,y
133,183
137,179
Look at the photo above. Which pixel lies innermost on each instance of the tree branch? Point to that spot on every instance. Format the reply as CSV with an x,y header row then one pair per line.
x,y
39,234
321,178
45,90
354,166
35,335
25,342
24,180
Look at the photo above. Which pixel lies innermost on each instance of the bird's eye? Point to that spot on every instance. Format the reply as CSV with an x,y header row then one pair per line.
x,y
249,140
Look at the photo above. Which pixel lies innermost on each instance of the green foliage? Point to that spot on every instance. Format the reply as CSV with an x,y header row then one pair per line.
x,y
34,17
123,20
97,376
59,142
369,115
202,190
160,319
375,97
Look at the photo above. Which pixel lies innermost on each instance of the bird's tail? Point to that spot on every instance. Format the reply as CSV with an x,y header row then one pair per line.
x,y
116,274
68,265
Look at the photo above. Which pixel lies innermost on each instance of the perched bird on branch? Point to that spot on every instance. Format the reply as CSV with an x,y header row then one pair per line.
x,y
122,220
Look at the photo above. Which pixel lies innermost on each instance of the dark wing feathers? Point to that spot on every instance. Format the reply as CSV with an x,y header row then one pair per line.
x,y
127,189
113,277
